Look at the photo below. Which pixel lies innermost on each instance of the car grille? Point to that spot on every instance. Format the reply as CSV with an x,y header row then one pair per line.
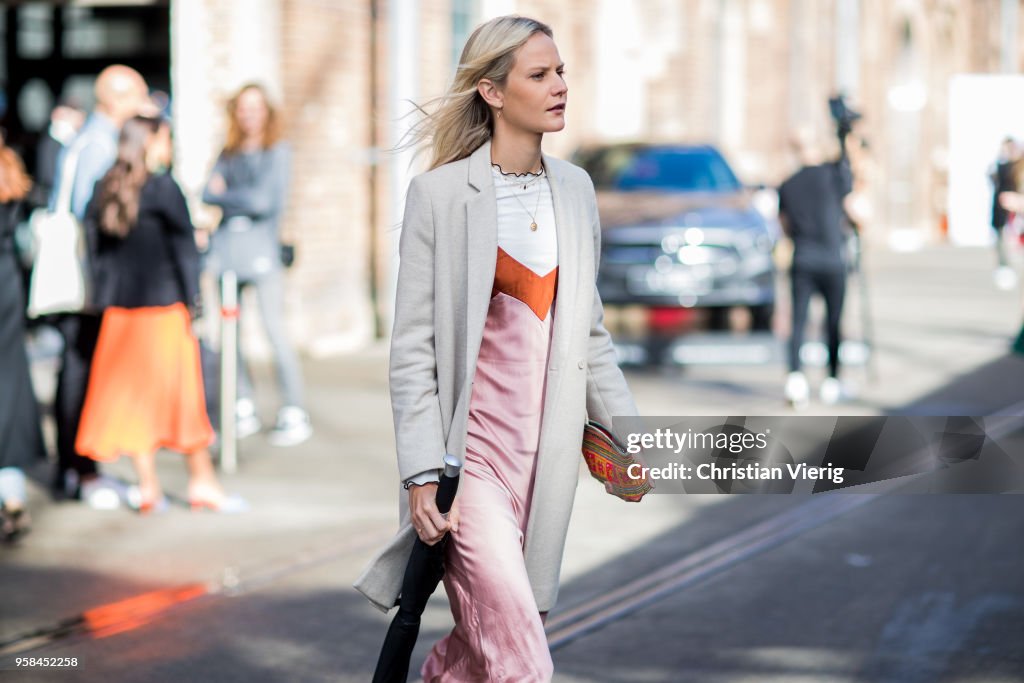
x,y
721,259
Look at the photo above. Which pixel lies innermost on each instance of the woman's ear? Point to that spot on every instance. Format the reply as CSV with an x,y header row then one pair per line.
x,y
489,91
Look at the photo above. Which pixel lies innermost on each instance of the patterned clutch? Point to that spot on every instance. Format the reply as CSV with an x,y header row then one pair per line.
x,y
608,462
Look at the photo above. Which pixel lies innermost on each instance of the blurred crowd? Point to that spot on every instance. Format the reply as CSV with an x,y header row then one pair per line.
x,y
100,246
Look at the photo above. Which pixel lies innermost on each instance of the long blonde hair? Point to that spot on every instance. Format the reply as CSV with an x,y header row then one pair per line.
x,y
461,120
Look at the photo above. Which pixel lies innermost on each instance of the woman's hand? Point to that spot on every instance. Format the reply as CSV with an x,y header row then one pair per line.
x,y
429,523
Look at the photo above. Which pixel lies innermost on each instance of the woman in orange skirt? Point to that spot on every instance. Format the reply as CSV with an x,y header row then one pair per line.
x,y
146,388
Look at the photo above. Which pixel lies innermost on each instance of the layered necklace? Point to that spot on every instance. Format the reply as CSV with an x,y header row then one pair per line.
x,y
514,180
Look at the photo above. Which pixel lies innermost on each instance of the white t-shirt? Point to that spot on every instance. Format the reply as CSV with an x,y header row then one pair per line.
x,y
521,201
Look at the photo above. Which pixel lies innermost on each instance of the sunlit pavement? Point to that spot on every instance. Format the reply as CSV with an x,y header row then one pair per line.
x,y
894,588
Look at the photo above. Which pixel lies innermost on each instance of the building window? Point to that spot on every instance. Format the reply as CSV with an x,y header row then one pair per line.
x,y
462,24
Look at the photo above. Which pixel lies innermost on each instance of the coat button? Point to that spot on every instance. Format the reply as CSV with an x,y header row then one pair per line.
x,y
580,365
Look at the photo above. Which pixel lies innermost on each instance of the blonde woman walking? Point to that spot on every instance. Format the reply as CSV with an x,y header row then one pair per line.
x,y
498,353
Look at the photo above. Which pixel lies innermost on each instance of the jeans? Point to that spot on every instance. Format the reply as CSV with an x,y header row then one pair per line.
x,y
270,297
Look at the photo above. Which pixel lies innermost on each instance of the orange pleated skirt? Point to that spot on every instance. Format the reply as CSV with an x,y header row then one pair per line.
x,y
145,386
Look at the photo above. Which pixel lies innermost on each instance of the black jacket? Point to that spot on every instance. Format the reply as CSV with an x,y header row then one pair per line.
x,y
812,201
157,263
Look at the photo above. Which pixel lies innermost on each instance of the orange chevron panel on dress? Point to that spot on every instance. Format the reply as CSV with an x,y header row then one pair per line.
x,y
516,280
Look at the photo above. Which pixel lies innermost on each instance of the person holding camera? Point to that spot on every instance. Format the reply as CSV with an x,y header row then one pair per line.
x,y
250,185
811,213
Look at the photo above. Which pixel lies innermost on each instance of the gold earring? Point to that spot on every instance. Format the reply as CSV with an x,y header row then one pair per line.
x,y
499,112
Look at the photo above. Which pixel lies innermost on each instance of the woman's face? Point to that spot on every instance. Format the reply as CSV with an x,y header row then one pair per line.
x,y
534,95
251,112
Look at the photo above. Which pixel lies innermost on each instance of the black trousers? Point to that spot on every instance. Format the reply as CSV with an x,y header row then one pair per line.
x,y
832,286
80,334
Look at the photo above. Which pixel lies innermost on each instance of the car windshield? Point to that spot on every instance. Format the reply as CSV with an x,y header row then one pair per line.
x,y
664,169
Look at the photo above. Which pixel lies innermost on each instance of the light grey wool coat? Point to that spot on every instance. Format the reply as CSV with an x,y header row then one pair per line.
x,y
448,252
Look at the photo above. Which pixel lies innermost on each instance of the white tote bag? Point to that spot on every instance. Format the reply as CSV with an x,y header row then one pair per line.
x,y
60,280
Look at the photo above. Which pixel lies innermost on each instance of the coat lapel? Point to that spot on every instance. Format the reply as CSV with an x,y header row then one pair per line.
x,y
567,233
481,251
560,362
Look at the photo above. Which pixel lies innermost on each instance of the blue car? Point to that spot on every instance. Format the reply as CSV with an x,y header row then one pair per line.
x,y
680,232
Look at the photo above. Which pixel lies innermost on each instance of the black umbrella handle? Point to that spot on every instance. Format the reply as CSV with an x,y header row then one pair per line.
x,y
449,484
422,574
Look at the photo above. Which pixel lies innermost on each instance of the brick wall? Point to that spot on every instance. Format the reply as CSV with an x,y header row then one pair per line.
x,y
326,65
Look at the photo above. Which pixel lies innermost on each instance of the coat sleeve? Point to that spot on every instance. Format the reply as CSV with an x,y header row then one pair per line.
x,y
419,435
608,395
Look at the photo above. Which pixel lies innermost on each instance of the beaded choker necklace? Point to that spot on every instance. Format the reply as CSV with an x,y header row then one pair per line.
x,y
523,180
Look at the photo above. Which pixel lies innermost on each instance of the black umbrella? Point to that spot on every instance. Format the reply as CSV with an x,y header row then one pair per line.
x,y
422,574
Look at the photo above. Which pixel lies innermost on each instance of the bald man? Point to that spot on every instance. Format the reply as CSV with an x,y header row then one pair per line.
x,y
121,93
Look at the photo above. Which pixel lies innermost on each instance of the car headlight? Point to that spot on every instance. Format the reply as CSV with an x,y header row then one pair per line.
x,y
692,255
694,236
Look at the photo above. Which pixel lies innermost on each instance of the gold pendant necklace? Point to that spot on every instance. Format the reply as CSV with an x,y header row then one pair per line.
x,y
512,188
533,216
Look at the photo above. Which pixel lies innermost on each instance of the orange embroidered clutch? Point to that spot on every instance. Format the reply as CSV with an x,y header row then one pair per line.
x,y
609,462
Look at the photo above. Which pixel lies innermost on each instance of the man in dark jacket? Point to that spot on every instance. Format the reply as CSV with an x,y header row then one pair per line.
x,y
120,93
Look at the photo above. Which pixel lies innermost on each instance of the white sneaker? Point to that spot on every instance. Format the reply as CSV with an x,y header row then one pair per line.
x,y
247,426
1005,278
246,422
103,493
830,391
798,392
292,427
